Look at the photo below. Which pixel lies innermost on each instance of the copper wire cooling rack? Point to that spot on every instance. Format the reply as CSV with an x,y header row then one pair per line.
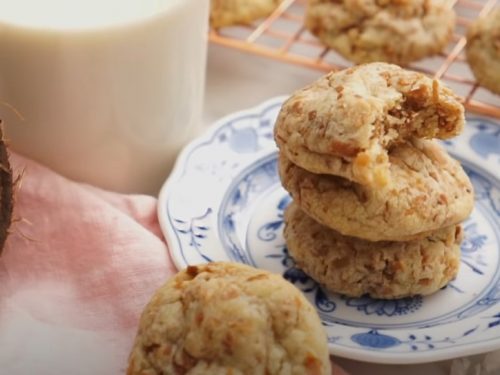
x,y
282,36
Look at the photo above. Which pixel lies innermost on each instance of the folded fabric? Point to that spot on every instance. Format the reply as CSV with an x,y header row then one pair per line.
x,y
77,270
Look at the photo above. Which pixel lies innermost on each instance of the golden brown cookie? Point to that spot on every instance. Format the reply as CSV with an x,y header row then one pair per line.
x,y
224,318
356,267
344,123
430,190
483,50
395,31
237,12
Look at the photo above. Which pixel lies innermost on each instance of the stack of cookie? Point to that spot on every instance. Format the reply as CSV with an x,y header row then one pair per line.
x,y
377,202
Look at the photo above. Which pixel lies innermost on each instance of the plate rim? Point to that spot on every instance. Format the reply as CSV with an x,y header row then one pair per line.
x,y
205,135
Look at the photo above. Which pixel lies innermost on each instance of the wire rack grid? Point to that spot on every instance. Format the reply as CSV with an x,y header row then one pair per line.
x,y
283,36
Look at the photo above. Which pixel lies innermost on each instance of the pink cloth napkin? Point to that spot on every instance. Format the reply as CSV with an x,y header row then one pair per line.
x,y
77,269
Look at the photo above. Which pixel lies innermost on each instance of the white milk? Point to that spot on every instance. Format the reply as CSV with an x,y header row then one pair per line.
x,y
108,90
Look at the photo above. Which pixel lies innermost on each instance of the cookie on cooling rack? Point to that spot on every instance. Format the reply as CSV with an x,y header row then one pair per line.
x,y
344,123
430,190
483,50
223,318
389,30
236,12
355,267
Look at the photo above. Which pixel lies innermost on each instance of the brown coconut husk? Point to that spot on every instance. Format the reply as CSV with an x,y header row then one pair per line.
x,y
6,193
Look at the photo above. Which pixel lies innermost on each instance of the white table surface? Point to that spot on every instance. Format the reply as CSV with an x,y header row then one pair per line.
x,y
238,80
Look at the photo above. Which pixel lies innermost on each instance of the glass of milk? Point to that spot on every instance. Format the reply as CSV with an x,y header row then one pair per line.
x,y
103,91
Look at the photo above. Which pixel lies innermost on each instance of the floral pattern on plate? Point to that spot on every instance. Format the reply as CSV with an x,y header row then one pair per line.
x,y
224,202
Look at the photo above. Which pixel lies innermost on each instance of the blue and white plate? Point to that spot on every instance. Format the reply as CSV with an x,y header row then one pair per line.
x,y
224,202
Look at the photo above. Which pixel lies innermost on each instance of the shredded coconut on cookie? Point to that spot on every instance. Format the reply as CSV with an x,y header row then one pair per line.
x,y
227,318
344,123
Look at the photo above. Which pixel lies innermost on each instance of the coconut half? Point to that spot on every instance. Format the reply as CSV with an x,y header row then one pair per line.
x,y
6,195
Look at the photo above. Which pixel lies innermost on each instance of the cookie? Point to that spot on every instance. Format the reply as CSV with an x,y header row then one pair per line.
x,y
387,270
343,123
395,31
223,318
430,190
483,50
237,12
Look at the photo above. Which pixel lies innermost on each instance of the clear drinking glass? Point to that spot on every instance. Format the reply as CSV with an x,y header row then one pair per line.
x,y
103,91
